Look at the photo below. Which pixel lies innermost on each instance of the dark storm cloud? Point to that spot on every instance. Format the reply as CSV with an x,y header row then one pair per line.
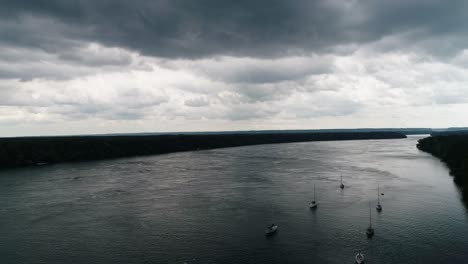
x,y
186,28
439,17
27,64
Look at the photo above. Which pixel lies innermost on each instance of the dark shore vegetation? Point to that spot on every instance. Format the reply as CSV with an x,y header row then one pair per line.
x,y
452,149
25,151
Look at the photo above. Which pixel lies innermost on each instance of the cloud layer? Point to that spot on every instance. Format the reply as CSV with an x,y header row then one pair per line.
x,y
69,67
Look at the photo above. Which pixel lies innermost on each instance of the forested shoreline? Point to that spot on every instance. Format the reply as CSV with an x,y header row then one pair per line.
x,y
27,151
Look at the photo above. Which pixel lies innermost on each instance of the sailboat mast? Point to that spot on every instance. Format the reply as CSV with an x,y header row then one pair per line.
x,y
378,194
272,212
370,215
314,192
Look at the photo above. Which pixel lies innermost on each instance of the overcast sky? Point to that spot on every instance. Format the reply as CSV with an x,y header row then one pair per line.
x,y
106,66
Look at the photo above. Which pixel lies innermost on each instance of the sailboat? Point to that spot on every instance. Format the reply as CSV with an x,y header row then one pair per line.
x,y
379,207
370,229
313,204
341,185
359,258
270,230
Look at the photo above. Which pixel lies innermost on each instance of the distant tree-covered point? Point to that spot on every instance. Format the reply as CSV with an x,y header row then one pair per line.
x,y
451,149
26,151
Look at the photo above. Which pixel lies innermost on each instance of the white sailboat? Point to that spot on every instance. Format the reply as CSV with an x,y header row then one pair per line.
x,y
359,258
341,185
379,206
270,230
314,203
370,229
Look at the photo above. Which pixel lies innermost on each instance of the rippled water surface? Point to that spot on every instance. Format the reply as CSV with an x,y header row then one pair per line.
x,y
212,206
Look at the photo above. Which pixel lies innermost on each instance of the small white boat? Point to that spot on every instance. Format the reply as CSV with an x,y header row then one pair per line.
x,y
359,258
271,229
341,185
378,207
313,204
370,229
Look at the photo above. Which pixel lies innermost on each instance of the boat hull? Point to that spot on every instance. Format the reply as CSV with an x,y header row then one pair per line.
x,y
271,230
359,258
379,208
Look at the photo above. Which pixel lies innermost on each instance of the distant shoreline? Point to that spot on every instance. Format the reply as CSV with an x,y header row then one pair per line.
x,y
405,131
29,151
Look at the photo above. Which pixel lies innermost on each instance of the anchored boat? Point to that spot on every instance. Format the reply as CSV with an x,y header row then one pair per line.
x,y
379,206
313,204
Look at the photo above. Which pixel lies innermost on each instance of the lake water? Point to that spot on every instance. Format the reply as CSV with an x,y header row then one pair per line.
x,y
212,206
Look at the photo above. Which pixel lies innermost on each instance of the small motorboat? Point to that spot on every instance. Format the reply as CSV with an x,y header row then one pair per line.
x,y
271,229
359,258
